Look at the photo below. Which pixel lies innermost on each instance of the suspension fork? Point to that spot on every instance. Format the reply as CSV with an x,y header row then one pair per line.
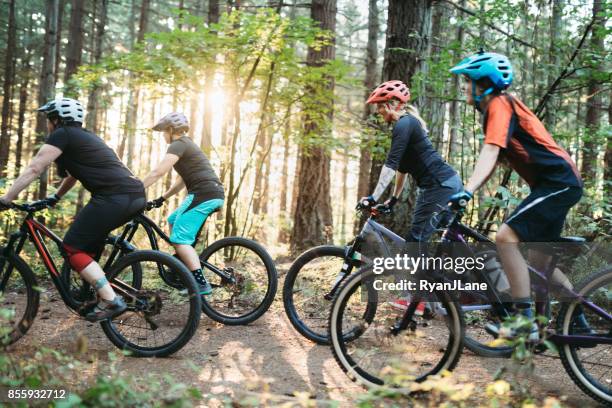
x,y
351,257
18,238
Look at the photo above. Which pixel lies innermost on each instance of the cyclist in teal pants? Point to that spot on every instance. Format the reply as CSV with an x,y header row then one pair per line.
x,y
204,191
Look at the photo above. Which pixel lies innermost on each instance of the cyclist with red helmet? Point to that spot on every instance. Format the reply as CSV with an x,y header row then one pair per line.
x,y
513,132
204,191
411,153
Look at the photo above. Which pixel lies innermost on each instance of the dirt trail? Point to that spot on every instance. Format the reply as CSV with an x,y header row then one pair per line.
x,y
229,361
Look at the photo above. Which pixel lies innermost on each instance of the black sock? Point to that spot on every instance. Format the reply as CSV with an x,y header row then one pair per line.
x,y
199,277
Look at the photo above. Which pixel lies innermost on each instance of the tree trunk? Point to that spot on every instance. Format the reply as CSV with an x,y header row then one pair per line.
x,y
58,39
94,95
371,79
408,28
608,158
9,77
26,72
553,59
132,108
75,47
453,144
206,144
283,235
47,79
593,103
313,218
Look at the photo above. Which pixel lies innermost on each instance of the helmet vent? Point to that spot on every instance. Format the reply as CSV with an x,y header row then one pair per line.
x,y
481,60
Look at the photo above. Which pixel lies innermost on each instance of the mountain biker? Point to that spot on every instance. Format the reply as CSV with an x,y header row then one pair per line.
x,y
116,195
411,153
514,133
204,191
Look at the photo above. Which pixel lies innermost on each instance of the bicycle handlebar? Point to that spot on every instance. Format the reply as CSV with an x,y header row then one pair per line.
x,y
32,207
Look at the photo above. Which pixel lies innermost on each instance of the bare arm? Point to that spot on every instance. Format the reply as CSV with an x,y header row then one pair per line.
x,y
39,163
162,168
386,175
176,187
65,186
484,167
400,181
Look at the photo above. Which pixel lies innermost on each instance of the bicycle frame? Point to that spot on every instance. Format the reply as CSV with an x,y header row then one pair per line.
x,y
153,231
35,231
456,232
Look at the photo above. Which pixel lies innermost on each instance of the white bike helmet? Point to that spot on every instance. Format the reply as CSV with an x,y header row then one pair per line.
x,y
175,121
68,110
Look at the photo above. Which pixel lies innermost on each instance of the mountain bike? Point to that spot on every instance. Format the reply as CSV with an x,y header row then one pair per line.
x,y
372,341
584,348
584,352
159,320
241,272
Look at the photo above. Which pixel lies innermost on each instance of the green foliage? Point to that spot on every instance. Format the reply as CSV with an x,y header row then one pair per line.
x,y
246,50
52,369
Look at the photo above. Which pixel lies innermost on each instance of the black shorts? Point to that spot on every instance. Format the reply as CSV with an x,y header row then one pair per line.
x,y
540,217
101,215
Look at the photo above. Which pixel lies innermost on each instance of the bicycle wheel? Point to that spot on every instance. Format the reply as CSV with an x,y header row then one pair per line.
x,y
160,319
244,281
310,278
385,352
590,367
81,291
18,298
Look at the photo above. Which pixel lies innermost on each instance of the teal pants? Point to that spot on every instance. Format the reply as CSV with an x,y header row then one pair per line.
x,y
186,221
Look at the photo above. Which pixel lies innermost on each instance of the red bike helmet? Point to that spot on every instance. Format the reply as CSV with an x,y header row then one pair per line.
x,y
389,90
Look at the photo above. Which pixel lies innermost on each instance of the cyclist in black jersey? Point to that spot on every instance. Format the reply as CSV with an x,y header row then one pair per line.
x,y
204,191
411,153
116,195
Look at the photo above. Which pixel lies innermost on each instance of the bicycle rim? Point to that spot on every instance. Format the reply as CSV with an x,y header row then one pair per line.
x,y
244,281
378,356
160,319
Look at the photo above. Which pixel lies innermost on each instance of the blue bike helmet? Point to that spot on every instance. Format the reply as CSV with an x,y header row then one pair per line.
x,y
490,65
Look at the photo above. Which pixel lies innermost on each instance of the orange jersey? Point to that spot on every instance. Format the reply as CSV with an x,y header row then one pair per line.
x,y
529,148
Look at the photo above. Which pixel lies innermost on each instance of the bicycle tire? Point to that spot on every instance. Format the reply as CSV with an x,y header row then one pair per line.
x,y
32,294
208,302
567,352
448,361
194,310
483,350
288,291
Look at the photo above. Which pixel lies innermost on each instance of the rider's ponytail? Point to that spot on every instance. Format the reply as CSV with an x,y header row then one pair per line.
x,y
411,109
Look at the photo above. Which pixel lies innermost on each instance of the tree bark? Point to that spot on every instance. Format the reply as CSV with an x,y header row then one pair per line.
x,y
453,144
553,58
593,103
9,77
206,143
75,46
47,79
608,158
408,28
94,95
313,218
133,99
58,39
370,81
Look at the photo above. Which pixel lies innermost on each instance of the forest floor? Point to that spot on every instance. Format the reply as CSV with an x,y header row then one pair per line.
x,y
233,363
